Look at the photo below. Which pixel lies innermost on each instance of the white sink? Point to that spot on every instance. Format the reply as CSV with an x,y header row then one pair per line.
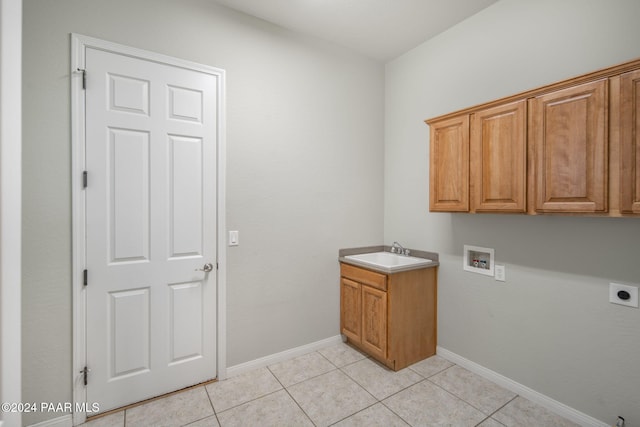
x,y
388,261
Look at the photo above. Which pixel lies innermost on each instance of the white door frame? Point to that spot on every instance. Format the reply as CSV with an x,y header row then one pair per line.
x,y
10,207
79,44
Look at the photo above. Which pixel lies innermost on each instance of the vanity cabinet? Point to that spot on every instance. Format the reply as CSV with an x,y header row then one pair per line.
x,y
363,310
572,147
391,317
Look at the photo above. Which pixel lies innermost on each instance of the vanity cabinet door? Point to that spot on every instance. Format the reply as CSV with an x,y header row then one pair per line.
x,y
449,165
630,142
499,158
351,309
391,317
374,321
568,133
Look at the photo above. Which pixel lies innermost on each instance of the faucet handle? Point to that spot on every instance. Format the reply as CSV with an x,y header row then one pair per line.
x,y
393,249
406,252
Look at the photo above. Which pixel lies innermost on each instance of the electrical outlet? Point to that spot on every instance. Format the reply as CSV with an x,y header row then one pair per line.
x,y
623,294
500,272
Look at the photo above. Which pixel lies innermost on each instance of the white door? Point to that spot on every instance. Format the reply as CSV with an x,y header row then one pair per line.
x,y
151,136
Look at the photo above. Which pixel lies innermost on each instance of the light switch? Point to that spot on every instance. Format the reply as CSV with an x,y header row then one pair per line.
x,y
500,273
234,238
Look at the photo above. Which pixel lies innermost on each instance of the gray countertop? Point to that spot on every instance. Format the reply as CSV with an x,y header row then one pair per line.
x,y
342,253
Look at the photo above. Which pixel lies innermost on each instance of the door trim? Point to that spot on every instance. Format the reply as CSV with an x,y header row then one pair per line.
x,y
79,44
10,208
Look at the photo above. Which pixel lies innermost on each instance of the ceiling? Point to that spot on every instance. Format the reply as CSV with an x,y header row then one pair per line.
x,y
380,29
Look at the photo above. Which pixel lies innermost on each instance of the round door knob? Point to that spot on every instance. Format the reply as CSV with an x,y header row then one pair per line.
x,y
207,268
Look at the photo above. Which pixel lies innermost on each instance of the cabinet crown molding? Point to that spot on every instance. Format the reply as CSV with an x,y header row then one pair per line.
x,y
532,93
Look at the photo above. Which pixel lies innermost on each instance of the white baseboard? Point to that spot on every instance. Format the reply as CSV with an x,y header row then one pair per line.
x,y
64,421
522,390
282,356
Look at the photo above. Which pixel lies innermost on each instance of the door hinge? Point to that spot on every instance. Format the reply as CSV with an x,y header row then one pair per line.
x,y
84,77
85,375
85,277
217,266
85,179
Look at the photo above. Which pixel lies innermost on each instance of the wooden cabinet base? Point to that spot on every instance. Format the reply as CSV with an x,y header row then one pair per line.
x,y
396,327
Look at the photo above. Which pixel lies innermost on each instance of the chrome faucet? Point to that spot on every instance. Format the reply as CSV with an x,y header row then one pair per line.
x,y
398,248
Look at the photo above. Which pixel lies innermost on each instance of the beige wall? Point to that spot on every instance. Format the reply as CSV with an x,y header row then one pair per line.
x,y
304,171
550,325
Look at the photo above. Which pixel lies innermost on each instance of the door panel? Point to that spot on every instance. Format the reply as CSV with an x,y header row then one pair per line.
x,y
128,199
374,321
350,309
186,320
449,165
630,143
570,146
151,136
185,104
128,94
498,158
185,193
129,333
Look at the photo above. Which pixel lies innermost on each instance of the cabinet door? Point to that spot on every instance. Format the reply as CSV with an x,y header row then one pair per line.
x,y
568,133
374,322
630,142
350,309
449,165
498,158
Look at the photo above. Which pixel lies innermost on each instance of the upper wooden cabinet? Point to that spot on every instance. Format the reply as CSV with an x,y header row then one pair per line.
x,y
568,137
498,158
478,161
630,142
449,168
572,147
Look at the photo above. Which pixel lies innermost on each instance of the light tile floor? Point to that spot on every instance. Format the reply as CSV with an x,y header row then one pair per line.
x,y
340,386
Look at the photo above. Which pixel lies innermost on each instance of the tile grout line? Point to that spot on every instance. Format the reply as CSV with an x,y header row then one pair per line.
x,y
454,395
340,368
215,413
359,385
499,409
463,400
357,412
388,397
283,387
248,401
300,382
381,401
396,414
292,398
432,375
377,401
298,405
